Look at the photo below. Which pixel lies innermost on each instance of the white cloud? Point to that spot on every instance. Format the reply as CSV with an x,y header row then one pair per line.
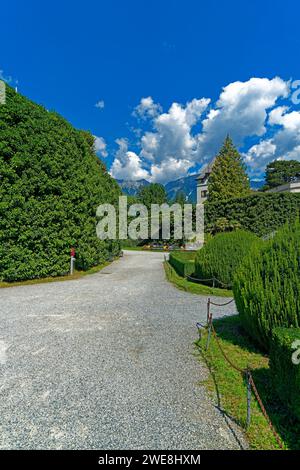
x,y
100,104
169,170
193,133
260,154
241,111
100,146
172,136
147,108
127,165
285,143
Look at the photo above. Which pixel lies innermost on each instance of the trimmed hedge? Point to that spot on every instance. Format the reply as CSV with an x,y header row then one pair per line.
x,y
221,256
285,374
267,285
51,185
261,213
183,263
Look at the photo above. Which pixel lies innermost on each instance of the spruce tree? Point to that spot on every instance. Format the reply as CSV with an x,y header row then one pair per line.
x,y
228,178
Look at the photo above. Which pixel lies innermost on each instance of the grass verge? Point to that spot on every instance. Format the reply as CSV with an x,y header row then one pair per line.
x,y
193,287
68,277
230,388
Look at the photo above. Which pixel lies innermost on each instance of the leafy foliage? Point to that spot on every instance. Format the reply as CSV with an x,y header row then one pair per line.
x,y
280,172
51,185
259,213
285,374
228,178
223,225
183,263
221,256
154,193
267,285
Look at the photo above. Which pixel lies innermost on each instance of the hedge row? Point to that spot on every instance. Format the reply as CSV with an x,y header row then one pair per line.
x,y
261,213
284,366
267,285
221,256
51,185
183,263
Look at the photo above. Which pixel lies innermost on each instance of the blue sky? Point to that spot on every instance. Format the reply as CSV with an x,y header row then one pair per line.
x,y
69,56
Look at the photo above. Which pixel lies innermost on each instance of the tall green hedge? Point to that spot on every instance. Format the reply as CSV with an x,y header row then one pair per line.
x,y
261,213
183,263
284,372
221,256
267,285
51,183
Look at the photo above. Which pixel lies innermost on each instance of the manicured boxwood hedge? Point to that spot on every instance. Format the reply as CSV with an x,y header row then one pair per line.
x,y
285,374
267,285
261,213
183,263
222,254
51,183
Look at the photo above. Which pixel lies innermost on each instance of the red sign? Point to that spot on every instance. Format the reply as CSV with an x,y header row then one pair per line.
x,y
72,252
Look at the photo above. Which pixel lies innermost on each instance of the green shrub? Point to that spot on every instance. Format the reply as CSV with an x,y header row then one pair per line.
x,y
285,374
51,183
260,213
183,263
267,285
221,256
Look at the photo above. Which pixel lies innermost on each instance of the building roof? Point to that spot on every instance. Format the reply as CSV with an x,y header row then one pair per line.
x,y
206,170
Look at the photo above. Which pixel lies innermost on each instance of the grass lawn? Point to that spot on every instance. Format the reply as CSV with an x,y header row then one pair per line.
x,y
193,287
185,255
76,275
230,388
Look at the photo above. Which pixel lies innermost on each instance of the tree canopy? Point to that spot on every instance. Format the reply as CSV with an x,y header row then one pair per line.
x,y
51,183
280,172
228,178
154,193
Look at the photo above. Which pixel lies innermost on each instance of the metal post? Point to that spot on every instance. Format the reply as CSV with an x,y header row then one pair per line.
x,y
72,265
209,331
208,310
248,375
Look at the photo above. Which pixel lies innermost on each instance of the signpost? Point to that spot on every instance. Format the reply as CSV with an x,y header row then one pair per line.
x,y
72,263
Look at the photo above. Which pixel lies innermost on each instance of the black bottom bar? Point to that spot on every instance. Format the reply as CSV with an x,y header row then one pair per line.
x,y
133,459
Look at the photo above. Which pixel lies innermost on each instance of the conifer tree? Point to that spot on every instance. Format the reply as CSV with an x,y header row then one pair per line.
x,y
228,178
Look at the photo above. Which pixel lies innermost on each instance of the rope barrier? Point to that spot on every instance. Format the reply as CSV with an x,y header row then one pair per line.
x,y
275,434
211,279
221,305
244,372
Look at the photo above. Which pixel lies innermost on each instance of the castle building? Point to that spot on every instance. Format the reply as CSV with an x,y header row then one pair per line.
x,y
202,183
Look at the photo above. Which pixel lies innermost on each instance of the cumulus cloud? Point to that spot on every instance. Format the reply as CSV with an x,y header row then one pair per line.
x,y
127,165
100,146
169,170
241,111
187,136
172,136
147,108
285,143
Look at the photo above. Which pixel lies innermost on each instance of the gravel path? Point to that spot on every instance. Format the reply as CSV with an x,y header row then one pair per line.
x,y
106,362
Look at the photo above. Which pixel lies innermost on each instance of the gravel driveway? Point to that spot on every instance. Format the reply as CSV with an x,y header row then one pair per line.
x,y
106,362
